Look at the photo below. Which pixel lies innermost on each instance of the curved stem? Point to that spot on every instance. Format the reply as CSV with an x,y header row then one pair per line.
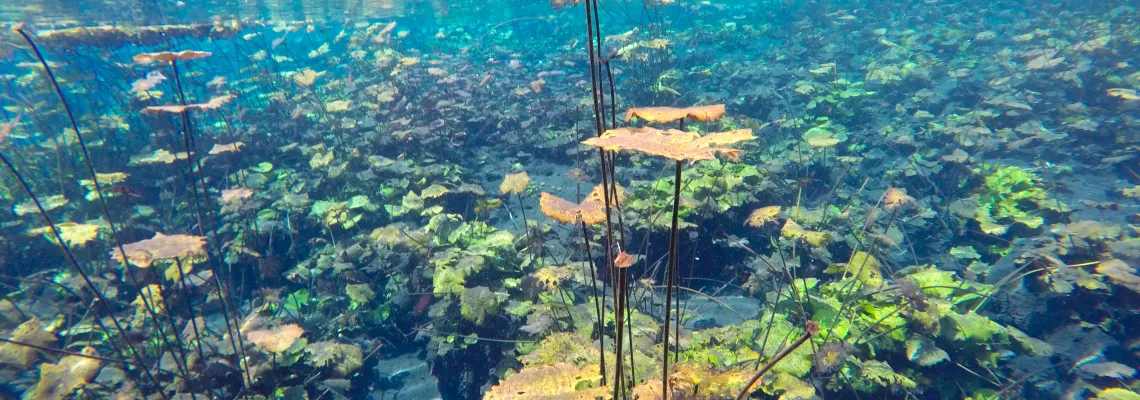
x,y
812,329
104,303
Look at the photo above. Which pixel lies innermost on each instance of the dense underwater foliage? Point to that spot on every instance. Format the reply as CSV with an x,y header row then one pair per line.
x,y
400,199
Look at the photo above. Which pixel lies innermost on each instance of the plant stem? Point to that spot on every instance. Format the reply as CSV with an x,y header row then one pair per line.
x,y
599,303
812,329
671,266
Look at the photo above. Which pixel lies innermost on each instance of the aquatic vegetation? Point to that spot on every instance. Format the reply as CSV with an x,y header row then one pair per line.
x,y
941,207
60,380
1010,194
30,332
276,340
345,358
553,381
710,188
161,247
590,211
673,144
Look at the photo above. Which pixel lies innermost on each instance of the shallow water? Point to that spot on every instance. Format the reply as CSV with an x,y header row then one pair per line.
x,y
404,199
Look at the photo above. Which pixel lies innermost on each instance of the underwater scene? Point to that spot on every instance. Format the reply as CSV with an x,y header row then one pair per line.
x,y
569,199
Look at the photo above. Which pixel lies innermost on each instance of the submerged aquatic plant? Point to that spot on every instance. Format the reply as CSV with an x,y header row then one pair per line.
x,y
371,224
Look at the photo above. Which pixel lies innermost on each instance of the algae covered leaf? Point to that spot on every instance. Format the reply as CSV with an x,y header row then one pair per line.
x,y
975,328
863,266
479,302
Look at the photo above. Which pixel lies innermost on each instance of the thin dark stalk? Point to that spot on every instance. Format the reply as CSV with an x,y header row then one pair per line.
x,y
593,70
599,305
619,323
613,97
223,290
771,319
526,228
83,273
190,309
670,275
609,263
95,183
676,270
90,168
70,353
629,330
812,329
593,43
184,362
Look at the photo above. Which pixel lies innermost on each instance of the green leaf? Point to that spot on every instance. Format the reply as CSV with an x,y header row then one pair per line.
x,y
881,374
935,282
395,210
827,318
863,266
518,309
985,394
296,300
477,303
975,328
923,352
361,201
262,167
965,253
447,280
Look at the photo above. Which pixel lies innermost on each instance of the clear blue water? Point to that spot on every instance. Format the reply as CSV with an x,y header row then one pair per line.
x,y
392,200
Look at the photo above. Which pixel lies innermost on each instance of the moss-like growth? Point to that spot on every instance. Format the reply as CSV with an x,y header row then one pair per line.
x,y
477,303
346,358
871,376
562,347
863,266
1011,195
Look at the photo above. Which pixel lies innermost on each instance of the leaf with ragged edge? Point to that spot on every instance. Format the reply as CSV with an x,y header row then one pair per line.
x,y
976,328
519,309
965,253
477,303
412,202
782,332
562,347
546,382
447,281
434,191
935,282
923,352
829,326
361,201
296,300
887,317
881,374
793,388
498,240
862,265
1108,369
674,144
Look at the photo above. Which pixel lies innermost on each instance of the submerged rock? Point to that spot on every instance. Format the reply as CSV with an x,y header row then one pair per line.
x,y
405,377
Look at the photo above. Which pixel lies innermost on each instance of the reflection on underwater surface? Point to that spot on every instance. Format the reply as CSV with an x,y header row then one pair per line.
x,y
533,200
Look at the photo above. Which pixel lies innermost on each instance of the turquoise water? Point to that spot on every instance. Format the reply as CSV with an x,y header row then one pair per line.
x,y
406,200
